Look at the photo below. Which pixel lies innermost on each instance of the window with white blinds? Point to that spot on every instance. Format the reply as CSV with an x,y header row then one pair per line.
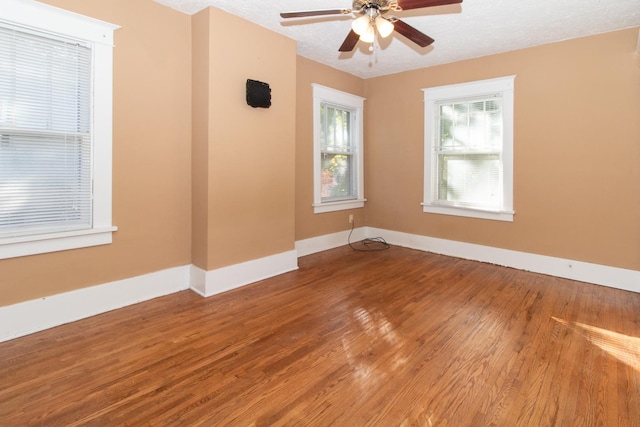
x,y
55,129
45,133
469,149
338,150
468,153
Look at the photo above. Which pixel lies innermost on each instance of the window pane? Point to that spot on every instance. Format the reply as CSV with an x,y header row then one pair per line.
x,y
336,129
45,183
470,179
337,157
469,163
44,83
337,176
468,126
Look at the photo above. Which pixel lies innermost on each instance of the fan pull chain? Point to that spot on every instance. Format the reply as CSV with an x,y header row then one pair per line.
x,y
374,44
374,48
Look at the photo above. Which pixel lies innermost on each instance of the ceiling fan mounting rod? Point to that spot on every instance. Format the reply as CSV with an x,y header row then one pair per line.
x,y
372,12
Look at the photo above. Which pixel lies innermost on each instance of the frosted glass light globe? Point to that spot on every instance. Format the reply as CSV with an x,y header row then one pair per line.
x,y
360,25
369,35
385,28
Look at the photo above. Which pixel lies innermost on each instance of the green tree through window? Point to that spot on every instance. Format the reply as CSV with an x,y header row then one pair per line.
x,y
336,153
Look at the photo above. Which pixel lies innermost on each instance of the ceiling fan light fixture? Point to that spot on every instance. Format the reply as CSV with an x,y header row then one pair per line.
x,y
385,28
369,21
369,35
360,25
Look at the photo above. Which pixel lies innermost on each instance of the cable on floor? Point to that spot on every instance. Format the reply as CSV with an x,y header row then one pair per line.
x,y
372,244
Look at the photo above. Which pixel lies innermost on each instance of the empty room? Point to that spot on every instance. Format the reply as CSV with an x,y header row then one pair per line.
x,y
336,213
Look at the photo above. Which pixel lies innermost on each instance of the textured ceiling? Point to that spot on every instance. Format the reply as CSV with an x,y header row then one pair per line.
x,y
471,29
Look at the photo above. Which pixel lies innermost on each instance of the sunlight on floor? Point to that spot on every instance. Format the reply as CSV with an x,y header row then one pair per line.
x,y
383,340
625,348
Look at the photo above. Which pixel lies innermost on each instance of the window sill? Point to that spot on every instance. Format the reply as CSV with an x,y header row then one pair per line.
x,y
506,216
13,247
338,205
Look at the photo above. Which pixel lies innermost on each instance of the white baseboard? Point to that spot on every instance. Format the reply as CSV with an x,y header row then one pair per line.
x,y
208,283
37,315
329,241
33,316
613,277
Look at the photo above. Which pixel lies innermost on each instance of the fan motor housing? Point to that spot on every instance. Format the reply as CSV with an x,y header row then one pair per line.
x,y
366,4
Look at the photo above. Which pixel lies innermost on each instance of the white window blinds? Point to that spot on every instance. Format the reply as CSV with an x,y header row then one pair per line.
x,y
45,133
468,152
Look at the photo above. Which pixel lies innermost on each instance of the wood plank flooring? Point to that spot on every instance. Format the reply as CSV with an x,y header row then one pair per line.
x,y
392,338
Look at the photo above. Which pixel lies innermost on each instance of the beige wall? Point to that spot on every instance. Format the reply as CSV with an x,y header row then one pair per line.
x,y
151,158
309,224
577,151
201,100
251,163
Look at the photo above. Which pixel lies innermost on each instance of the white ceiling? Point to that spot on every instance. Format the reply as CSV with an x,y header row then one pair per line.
x,y
471,29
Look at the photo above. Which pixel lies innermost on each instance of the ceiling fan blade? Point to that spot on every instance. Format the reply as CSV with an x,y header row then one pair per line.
x,y
417,4
411,33
306,13
350,42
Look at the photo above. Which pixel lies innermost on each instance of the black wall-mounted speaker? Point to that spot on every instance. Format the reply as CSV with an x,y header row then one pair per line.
x,y
258,94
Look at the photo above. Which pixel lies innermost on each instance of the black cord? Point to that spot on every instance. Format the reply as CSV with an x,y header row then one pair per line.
x,y
373,244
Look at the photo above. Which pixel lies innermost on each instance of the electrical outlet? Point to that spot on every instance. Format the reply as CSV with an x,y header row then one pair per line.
x,y
350,218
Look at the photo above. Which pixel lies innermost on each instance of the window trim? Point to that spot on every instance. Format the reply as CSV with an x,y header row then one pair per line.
x,y
56,21
324,94
502,85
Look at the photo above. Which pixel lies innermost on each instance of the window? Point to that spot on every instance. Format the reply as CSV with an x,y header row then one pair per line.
x,y
55,130
469,149
338,154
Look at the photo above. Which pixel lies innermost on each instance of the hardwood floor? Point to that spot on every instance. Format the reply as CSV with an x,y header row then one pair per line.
x,y
392,338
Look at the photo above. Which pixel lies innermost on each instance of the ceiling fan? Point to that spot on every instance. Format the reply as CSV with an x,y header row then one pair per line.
x,y
372,19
